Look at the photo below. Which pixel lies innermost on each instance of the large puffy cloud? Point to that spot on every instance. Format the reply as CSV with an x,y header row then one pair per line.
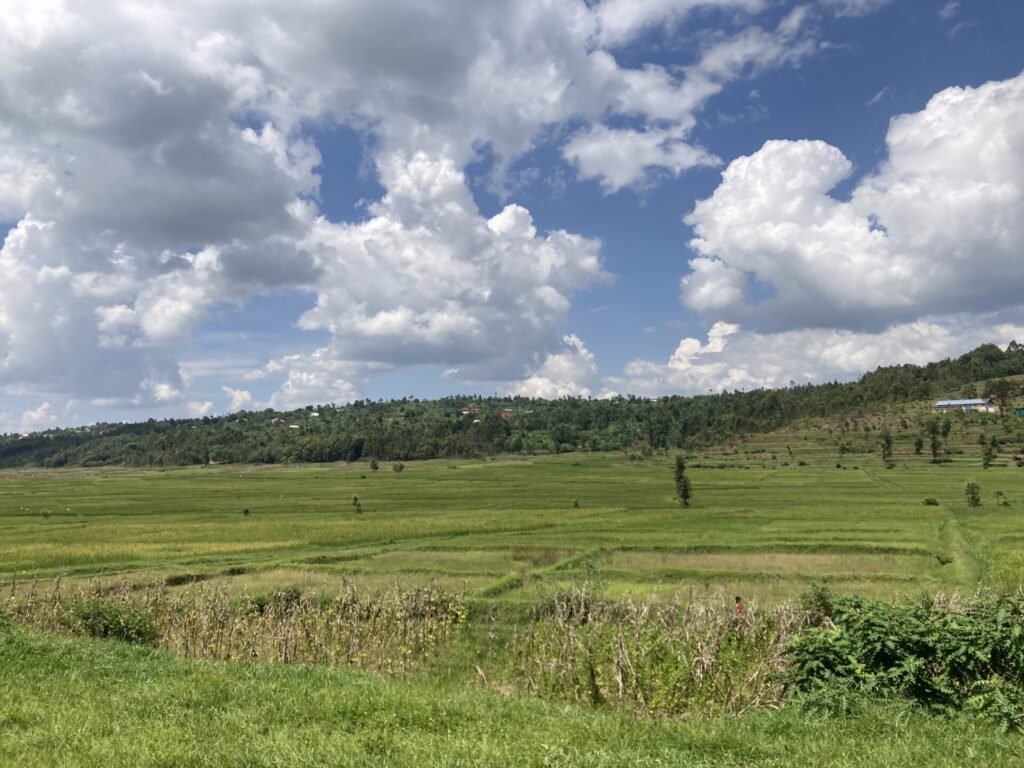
x,y
155,158
923,261
156,161
428,279
936,230
140,198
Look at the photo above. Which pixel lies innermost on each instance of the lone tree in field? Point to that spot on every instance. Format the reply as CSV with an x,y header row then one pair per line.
x,y
918,445
936,443
683,489
972,494
374,465
886,445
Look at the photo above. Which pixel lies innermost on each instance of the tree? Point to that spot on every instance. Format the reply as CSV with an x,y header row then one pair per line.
x,y
398,467
972,494
918,445
947,426
1000,390
374,465
886,445
986,456
683,488
936,443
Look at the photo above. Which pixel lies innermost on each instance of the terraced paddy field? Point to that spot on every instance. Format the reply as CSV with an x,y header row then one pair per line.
x,y
509,530
558,610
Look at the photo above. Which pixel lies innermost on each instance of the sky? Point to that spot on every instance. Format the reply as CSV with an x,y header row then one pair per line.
x,y
212,205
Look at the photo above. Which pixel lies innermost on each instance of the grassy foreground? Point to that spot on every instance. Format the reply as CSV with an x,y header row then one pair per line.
x,y
81,702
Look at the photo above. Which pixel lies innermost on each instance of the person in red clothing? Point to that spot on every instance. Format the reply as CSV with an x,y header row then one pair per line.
x,y
739,606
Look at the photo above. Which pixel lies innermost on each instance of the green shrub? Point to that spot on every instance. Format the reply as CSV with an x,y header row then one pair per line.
x,y
931,502
817,603
972,494
946,656
108,619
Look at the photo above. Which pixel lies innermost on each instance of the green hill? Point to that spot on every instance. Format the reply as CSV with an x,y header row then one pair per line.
x,y
473,426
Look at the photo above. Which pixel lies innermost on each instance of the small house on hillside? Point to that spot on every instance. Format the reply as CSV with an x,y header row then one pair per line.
x,y
975,405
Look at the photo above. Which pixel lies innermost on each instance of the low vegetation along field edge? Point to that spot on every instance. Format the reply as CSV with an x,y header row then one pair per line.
x,y
81,702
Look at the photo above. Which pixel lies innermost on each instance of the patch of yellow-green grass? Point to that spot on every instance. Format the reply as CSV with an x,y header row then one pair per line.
x,y
448,561
805,564
1007,570
261,582
754,591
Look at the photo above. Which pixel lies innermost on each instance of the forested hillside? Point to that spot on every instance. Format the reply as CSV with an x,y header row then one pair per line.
x,y
474,426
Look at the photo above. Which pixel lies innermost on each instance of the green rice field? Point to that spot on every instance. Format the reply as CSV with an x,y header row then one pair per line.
x,y
491,679
509,529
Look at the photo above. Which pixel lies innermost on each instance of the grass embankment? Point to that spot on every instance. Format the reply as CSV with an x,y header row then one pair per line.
x,y
79,702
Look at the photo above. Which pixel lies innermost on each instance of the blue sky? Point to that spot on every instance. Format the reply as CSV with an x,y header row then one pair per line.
x,y
208,210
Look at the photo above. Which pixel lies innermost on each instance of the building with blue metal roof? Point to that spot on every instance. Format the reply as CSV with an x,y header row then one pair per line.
x,y
976,405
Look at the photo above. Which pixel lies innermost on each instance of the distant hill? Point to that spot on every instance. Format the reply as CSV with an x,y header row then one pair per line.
x,y
475,426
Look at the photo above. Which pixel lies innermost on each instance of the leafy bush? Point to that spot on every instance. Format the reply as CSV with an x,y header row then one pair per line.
x,y
972,494
945,655
931,502
817,604
117,620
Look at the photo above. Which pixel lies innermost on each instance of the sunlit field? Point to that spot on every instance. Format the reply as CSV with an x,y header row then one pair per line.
x,y
504,529
518,611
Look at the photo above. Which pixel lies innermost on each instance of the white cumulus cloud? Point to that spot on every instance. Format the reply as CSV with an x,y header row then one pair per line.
x,y
937,229
40,418
238,399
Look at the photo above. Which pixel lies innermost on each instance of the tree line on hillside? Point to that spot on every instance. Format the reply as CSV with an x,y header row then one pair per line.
x,y
480,426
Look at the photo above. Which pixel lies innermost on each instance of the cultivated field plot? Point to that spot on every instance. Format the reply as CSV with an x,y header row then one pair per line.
x,y
512,529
